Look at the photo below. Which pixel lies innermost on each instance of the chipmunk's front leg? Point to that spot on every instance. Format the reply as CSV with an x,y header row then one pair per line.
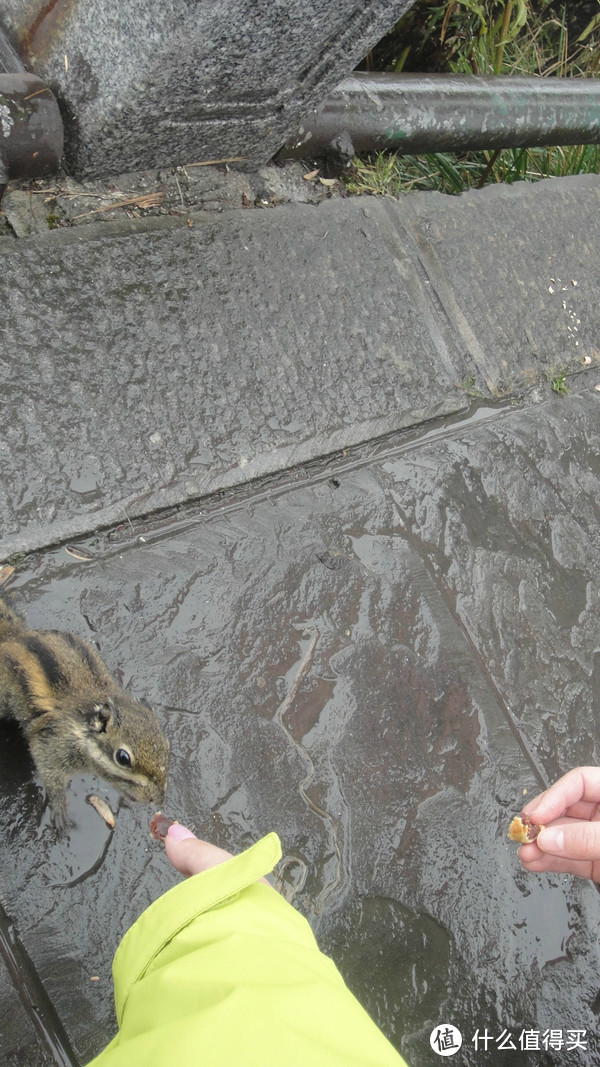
x,y
54,772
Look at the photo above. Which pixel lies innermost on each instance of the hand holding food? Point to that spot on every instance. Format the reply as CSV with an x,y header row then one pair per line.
x,y
522,830
567,820
159,826
184,850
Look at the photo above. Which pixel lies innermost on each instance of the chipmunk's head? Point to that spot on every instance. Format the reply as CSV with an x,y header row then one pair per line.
x,y
81,715
122,742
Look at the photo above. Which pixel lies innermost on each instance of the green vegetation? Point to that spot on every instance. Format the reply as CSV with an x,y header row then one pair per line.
x,y
559,384
521,37
385,174
469,388
541,37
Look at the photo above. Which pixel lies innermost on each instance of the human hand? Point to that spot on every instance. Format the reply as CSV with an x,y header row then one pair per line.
x,y
570,813
189,855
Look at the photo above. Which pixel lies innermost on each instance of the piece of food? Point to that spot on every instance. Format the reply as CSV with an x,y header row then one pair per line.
x,y
159,826
523,830
103,810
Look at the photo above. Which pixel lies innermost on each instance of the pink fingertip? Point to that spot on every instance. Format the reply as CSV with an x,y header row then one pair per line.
x,y
177,832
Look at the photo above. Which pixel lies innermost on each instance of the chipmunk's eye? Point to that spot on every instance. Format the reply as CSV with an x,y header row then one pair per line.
x,y
122,757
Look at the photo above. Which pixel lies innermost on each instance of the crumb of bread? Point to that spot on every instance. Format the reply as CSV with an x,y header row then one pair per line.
x,y
522,830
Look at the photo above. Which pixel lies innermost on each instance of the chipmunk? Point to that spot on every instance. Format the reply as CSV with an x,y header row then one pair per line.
x,y
76,718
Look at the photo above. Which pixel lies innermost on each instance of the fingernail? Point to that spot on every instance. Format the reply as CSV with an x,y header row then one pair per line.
x,y
177,832
551,840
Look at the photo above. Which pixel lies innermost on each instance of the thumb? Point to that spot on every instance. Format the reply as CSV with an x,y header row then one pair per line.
x,y
571,839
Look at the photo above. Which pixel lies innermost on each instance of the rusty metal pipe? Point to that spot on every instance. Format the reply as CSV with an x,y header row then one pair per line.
x,y
414,113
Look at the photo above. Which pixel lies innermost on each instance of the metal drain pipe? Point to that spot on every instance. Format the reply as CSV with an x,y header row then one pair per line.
x,y
31,129
414,113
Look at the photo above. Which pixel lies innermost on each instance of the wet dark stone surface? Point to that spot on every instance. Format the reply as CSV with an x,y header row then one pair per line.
x,y
18,1043
518,559
144,365
164,363
522,295
375,664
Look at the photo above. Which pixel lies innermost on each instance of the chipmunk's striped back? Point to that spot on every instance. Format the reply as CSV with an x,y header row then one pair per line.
x,y
47,666
75,715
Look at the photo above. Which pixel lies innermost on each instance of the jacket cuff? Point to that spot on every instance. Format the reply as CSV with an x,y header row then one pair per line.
x,y
179,906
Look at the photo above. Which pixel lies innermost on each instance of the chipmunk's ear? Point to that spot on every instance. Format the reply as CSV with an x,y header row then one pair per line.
x,y
101,716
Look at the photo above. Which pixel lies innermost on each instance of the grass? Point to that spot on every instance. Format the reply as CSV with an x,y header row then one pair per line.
x,y
468,386
386,174
541,37
521,37
559,384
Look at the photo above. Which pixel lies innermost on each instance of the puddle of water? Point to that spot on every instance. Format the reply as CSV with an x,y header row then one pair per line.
x,y
378,945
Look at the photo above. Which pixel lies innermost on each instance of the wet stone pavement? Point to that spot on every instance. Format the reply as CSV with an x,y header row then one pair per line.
x,y
375,660
147,363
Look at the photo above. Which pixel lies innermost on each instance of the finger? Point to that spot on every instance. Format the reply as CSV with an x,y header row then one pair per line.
x,y
530,853
580,784
583,809
530,850
571,839
188,854
553,864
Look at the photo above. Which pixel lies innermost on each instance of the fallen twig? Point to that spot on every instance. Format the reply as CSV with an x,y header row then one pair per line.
x,y
215,162
143,201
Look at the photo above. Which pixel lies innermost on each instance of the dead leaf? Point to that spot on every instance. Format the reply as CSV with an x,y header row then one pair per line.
x,y
311,174
79,553
327,181
103,809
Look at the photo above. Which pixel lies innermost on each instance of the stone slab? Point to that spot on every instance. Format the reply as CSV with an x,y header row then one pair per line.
x,y
146,364
516,267
159,83
165,362
408,602
518,558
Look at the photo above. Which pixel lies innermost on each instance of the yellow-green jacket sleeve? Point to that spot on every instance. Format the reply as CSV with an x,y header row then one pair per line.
x,y
222,972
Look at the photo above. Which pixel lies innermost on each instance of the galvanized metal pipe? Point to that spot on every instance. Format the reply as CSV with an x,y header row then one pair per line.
x,y
414,113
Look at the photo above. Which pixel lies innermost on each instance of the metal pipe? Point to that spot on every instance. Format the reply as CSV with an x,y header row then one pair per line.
x,y
31,129
414,113
10,62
